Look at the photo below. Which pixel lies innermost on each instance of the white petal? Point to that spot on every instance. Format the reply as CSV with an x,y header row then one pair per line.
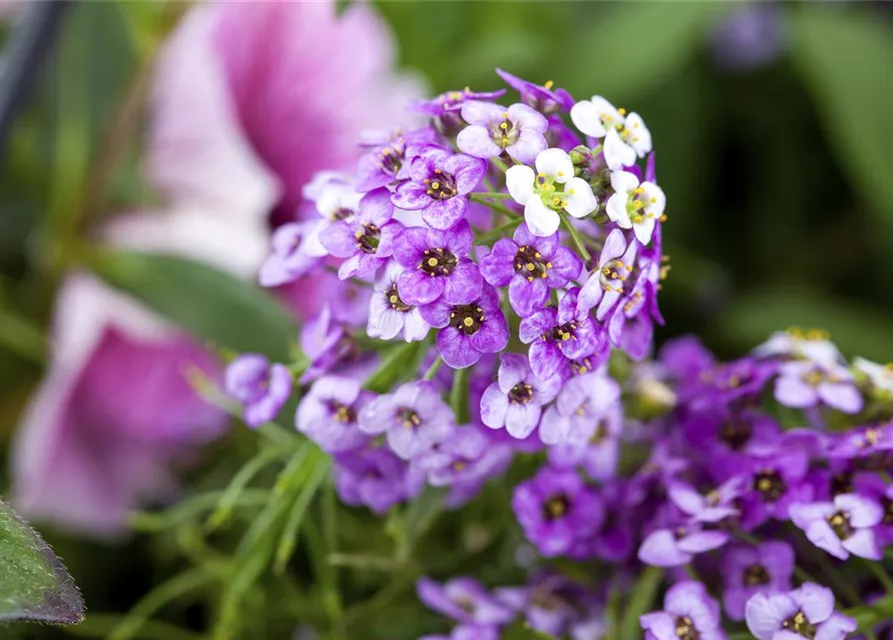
x,y
655,200
641,137
617,210
519,180
607,110
580,199
541,220
556,164
587,118
618,154
623,181
644,229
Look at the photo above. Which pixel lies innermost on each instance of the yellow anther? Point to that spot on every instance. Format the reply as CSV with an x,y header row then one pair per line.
x,y
426,181
637,203
560,174
505,114
503,125
556,201
549,84
548,264
358,234
621,111
530,266
570,191
437,171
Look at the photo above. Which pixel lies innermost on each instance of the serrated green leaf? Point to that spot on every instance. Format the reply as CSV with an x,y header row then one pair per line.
x,y
841,55
213,305
34,584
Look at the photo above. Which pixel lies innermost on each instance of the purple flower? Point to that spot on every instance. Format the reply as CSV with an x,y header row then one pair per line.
x,y
688,614
843,526
326,343
436,264
493,129
385,164
328,413
862,443
468,458
262,388
804,384
414,418
530,265
679,545
558,335
748,570
543,97
389,315
715,506
438,185
611,277
805,612
631,327
468,632
582,406
515,401
556,510
367,239
599,454
290,258
468,330
550,603
444,109
464,600
777,481
374,477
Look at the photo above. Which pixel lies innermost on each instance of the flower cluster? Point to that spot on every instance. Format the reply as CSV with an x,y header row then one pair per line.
x,y
525,255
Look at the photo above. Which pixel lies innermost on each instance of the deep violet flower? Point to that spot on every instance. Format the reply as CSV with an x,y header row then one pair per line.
x,y
805,612
468,330
543,97
445,108
438,185
805,384
464,600
374,477
515,401
582,405
777,481
558,335
631,326
611,277
677,546
261,387
556,510
530,266
389,315
328,413
387,161
414,418
748,570
599,454
842,527
468,632
493,129
436,264
688,613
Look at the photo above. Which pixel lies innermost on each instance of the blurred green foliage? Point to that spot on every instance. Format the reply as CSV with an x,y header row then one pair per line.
x,y
781,213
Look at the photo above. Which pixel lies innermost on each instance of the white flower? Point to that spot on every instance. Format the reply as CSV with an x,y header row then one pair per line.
x,y
634,205
881,376
625,136
812,345
551,189
389,316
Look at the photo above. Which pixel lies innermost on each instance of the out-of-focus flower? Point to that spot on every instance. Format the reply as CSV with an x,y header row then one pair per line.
x,y
688,613
805,612
260,386
751,36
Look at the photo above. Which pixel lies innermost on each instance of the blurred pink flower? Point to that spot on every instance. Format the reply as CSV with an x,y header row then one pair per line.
x,y
249,100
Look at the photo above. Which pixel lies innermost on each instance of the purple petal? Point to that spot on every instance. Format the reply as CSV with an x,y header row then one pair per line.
x,y
463,286
529,144
410,245
455,348
659,549
528,296
443,214
843,397
468,172
701,541
411,196
476,141
521,419
535,326
497,267
418,288
493,336
815,601
494,405
545,358
793,392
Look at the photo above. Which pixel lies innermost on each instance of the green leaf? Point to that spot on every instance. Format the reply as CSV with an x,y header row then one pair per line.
x,y
289,538
841,55
395,364
640,601
855,329
211,304
665,37
459,395
34,584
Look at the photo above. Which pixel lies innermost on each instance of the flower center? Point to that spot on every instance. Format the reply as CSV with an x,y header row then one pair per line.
x,y
552,194
583,366
770,484
735,433
521,393
391,157
342,412
505,133
637,205
464,602
601,433
556,507
755,575
530,263
368,238
438,262
800,625
842,483
467,318
408,418
394,300
840,522
614,275
562,333
685,629
441,186
870,438
887,505
343,213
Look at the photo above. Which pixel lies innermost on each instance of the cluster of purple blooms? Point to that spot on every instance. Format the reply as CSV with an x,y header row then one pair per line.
x,y
526,256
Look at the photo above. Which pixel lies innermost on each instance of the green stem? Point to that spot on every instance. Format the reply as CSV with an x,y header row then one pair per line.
x,y
883,577
499,164
433,369
499,232
575,236
493,205
22,337
490,194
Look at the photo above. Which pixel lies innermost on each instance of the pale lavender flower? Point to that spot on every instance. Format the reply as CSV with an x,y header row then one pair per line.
x,y
842,527
374,477
543,97
678,546
748,570
328,413
806,612
611,276
389,315
387,162
326,343
414,418
464,600
600,454
438,185
493,129
261,387
515,401
715,506
804,384
581,406
290,258
445,108
688,614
